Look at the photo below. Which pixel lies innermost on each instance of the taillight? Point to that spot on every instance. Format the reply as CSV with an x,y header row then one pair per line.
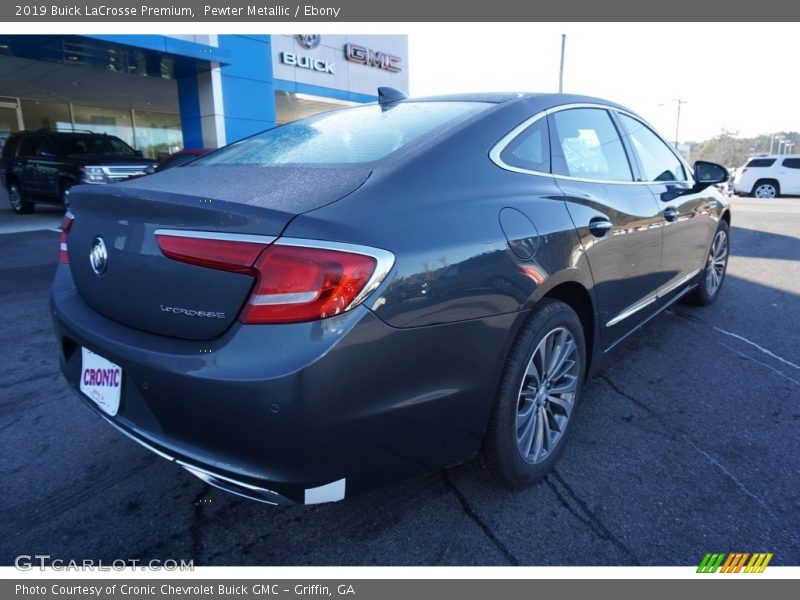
x,y
66,225
303,284
296,280
224,255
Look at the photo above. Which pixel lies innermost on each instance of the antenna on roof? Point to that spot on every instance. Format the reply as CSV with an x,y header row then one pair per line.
x,y
387,95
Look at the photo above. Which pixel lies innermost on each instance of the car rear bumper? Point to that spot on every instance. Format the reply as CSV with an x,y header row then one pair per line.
x,y
302,412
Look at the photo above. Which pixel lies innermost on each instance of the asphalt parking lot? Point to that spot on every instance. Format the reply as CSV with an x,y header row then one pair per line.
x,y
687,443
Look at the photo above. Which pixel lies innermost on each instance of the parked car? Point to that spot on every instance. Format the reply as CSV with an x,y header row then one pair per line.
x,y
42,165
769,176
381,291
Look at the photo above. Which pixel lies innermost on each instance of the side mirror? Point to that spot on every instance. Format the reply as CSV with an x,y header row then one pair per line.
x,y
708,173
149,170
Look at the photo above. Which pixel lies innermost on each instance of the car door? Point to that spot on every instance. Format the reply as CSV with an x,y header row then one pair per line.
x,y
791,167
47,168
688,217
618,220
25,167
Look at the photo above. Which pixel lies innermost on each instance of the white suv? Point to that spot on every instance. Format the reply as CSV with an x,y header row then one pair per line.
x,y
769,176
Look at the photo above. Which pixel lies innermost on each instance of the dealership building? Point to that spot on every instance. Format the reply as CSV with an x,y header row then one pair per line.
x,y
163,93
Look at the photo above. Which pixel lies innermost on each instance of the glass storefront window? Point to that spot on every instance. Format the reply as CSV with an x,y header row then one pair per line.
x,y
113,121
157,134
38,114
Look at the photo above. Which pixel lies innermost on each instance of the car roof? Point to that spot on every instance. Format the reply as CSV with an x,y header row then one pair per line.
x,y
62,133
553,99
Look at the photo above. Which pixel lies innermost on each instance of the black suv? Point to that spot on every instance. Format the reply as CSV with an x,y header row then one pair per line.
x,y
40,166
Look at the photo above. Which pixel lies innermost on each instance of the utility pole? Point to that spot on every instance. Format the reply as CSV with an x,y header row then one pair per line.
x,y
678,101
561,68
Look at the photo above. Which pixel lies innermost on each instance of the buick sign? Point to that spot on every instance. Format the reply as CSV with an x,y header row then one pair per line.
x,y
307,62
309,41
98,256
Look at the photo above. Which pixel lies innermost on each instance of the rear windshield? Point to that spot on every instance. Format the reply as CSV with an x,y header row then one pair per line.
x,y
362,134
100,144
760,162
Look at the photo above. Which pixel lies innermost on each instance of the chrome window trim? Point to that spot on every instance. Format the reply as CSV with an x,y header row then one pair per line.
x,y
499,147
212,235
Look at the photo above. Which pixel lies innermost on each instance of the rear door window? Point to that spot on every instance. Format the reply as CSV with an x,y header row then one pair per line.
x,y
791,163
29,145
585,144
760,162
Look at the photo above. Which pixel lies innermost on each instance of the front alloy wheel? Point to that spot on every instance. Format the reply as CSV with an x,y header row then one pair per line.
x,y
717,262
716,266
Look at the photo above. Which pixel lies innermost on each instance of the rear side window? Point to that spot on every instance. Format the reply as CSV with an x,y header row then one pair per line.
x,y
10,147
760,162
792,163
350,136
586,145
530,150
658,162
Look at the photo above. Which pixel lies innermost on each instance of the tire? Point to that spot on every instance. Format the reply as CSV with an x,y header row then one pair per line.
x,y
709,284
766,188
520,408
18,201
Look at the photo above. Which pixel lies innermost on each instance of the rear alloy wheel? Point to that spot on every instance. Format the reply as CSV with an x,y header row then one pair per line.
x,y
716,266
19,204
538,396
765,189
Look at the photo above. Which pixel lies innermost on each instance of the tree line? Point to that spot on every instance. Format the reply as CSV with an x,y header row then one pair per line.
x,y
732,151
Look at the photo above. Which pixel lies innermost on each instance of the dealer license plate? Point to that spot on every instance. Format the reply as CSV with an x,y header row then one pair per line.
x,y
101,381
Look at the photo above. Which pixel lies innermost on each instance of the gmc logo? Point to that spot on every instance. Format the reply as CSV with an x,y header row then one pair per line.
x,y
371,58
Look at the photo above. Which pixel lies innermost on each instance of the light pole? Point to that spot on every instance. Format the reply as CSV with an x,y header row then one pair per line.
x,y
772,139
788,146
561,67
678,101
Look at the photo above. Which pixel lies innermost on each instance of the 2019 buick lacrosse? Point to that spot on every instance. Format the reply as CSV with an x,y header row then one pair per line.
x,y
381,291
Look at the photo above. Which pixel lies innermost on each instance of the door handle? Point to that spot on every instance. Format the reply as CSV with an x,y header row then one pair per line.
x,y
600,226
671,214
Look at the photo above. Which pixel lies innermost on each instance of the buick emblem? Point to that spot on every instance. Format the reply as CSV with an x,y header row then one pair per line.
x,y
98,257
309,41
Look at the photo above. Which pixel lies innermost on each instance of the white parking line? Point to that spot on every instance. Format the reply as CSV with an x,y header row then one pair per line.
x,y
764,350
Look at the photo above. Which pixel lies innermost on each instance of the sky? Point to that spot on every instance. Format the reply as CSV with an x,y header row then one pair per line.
x,y
730,77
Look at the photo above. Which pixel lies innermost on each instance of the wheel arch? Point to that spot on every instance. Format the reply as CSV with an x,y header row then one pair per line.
x,y
770,180
575,293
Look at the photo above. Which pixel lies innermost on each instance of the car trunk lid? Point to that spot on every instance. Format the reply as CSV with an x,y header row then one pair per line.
x,y
140,286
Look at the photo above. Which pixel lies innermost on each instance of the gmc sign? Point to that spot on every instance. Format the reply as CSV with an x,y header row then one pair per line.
x,y
371,58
